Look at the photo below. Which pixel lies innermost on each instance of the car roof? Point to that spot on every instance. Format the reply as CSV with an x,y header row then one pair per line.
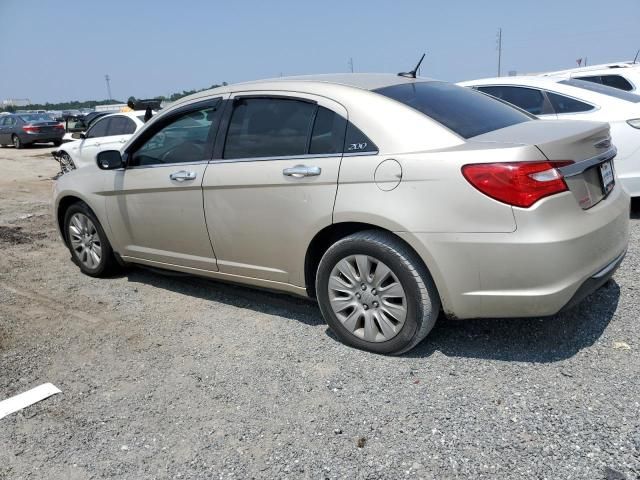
x,y
310,83
610,67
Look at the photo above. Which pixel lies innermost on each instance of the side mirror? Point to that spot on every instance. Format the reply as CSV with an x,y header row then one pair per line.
x,y
78,135
110,160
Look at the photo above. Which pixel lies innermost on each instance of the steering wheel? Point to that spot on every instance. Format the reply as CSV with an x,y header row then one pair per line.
x,y
183,152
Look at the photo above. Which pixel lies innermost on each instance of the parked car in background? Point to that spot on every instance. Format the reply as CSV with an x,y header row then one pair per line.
x,y
106,131
621,75
558,98
25,129
384,197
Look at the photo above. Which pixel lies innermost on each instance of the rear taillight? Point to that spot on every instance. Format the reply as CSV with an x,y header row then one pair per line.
x,y
59,126
30,129
520,184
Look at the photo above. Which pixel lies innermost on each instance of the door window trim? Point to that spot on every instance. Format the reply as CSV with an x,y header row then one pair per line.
x,y
218,152
165,120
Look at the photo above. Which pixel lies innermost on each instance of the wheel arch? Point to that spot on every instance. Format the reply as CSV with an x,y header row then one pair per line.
x,y
331,234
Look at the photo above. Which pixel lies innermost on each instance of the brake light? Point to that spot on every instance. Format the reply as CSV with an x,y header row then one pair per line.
x,y
59,125
520,184
30,129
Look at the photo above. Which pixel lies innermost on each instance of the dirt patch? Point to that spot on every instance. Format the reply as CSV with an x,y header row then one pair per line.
x,y
16,236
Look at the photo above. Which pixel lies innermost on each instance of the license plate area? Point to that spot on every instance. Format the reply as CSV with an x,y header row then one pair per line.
x,y
606,176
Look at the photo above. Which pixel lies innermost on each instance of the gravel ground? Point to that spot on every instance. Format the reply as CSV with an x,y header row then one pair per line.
x,y
180,377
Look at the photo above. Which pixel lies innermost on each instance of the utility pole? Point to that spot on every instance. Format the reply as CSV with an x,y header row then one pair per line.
x,y
108,79
499,47
351,64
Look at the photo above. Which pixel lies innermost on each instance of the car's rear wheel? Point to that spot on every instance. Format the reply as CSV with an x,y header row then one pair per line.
x,y
87,242
57,143
17,142
375,293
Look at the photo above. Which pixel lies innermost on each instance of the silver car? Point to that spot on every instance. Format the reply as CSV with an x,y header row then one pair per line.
x,y
388,199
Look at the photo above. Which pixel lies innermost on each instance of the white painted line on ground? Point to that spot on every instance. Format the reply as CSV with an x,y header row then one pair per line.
x,y
18,402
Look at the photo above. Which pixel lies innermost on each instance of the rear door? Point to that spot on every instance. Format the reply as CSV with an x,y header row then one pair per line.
x,y
119,130
272,185
87,149
155,211
5,136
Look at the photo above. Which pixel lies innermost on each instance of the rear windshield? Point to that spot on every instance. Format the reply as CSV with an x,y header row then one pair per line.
x,y
463,110
36,117
603,89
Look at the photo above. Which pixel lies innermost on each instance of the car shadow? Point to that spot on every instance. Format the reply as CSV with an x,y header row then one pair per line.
x,y
541,340
264,301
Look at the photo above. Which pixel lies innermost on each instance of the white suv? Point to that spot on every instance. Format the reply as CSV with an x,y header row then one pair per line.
x,y
623,75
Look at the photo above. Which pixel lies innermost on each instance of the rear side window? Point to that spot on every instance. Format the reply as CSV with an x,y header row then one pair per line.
x,y
562,104
462,110
269,127
602,89
99,129
615,81
529,99
121,126
328,133
357,142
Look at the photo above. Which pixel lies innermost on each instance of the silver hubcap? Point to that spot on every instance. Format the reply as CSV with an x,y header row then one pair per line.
x,y
85,240
367,298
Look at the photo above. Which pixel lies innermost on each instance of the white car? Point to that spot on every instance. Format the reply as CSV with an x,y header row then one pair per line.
x,y
558,98
621,75
108,133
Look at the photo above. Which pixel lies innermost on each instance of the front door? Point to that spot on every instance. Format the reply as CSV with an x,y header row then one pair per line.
x,y
273,184
155,212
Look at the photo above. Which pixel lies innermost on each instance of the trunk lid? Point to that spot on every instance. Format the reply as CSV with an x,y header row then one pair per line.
x,y
587,144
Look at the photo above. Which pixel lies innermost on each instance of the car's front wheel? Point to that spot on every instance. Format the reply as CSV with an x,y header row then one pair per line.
x,y
89,246
375,293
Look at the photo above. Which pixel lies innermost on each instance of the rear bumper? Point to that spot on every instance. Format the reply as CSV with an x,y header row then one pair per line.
x,y
596,281
41,137
553,260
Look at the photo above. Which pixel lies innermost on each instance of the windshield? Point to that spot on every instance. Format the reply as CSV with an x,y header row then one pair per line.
x,y
36,117
463,110
603,89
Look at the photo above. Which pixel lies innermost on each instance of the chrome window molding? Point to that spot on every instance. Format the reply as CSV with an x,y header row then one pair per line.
x,y
291,157
174,164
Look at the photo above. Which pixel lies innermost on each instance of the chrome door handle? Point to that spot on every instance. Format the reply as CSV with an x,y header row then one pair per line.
x,y
182,175
122,140
300,171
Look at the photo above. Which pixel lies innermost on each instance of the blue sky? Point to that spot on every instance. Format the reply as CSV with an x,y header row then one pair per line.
x,y
61,50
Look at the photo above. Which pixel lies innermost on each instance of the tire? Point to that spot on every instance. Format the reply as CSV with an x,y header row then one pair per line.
x,y
57,143
87,240
381,327
17,142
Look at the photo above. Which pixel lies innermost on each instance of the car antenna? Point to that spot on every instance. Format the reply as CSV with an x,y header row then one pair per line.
x,y
412,73
635,59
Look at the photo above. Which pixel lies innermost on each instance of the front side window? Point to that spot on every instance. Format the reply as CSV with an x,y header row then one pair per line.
x,y
269,127
99,129
462,110
562,104
529,99
182,139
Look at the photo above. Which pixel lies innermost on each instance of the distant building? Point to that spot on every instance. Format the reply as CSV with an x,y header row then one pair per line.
x,y
114,107
16,102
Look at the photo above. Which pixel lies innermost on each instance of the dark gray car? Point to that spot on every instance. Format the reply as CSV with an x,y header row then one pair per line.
x,y
28,128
